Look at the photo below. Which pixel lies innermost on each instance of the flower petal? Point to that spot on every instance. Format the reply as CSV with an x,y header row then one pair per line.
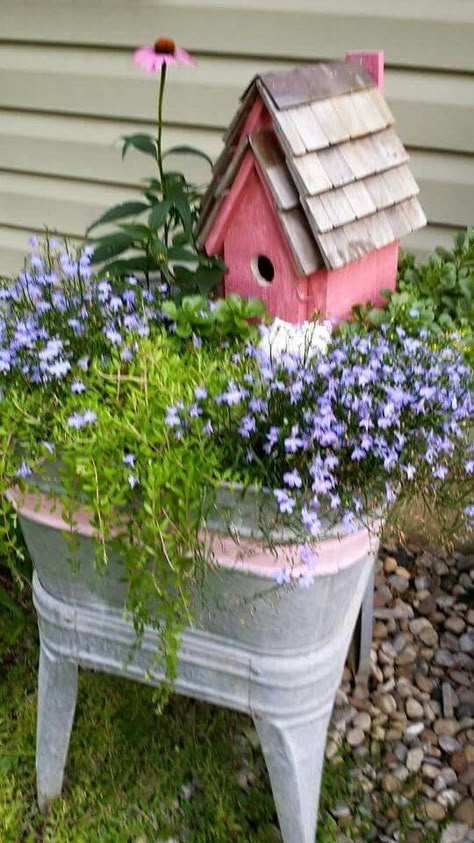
x,y
182,57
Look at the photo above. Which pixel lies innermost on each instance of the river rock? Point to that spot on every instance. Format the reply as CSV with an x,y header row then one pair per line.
x,y
390,783
444,658
466,643
446,727
424,683
449,798
414,759
398,584
446,778
427,606
434,811
455,624
390,564
454,833
414,729
465,812
355,737
413,708
363,721
408,656
449,744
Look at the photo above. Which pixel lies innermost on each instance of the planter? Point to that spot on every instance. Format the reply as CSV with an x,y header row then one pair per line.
x,y
276,653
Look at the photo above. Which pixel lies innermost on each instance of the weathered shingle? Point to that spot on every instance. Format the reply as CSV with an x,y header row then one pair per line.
x,y
309,83
301,241
272,163
334,165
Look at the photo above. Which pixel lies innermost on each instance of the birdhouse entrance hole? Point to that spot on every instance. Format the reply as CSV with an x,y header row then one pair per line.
x,y
263,270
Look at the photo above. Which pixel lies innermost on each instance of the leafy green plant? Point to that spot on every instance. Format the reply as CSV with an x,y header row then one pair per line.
x,y
444,283
154,235
230,318
79,358
436,295
159,240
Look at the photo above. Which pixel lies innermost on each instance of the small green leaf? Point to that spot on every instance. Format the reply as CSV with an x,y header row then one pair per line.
x,y
126,209
188,150
193,304
208,278
460,239
180,239
186,277
255,308
376,316
158,250
184,211
159,214
178,254
136,231
111,245
170,310
128,266
141,142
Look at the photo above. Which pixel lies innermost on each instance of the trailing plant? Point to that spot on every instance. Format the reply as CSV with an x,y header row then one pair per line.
x,y
87,369
154,235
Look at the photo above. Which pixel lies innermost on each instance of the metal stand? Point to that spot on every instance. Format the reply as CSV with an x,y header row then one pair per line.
x,y
289,693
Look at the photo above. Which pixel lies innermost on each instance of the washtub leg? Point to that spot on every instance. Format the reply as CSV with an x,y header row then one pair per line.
x,y
365,629
294,754
57,694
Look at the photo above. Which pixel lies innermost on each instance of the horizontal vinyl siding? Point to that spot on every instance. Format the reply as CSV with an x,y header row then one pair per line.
x,y
69,90
417,33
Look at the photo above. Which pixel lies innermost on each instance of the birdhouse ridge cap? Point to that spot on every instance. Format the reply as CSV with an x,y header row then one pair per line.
x,y
306,83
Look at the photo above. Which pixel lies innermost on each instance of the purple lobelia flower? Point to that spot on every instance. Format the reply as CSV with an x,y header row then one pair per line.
x,y
78,420
24,470
78,387
286,503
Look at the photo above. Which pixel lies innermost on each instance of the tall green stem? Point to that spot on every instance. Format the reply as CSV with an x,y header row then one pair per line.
x,y
160,125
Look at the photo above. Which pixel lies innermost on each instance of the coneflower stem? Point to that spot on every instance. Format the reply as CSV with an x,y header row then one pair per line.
x,y
160,125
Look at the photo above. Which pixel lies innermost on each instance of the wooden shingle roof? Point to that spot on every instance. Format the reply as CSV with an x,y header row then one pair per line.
x,y
338,173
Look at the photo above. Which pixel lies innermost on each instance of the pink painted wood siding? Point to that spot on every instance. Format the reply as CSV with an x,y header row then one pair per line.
x,y
359,281
255,230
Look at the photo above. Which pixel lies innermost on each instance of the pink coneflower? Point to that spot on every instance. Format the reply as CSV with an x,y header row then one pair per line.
x,y
164,52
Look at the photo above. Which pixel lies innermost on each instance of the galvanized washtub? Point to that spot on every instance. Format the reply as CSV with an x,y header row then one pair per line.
x,y
276,653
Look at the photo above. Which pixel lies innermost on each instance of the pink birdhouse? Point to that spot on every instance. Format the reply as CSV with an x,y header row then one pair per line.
x,y
312,191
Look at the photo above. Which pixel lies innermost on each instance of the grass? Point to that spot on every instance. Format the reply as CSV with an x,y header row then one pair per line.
x,y
134,776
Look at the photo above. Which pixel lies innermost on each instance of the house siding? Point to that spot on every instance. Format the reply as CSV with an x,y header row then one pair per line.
x,y
69,90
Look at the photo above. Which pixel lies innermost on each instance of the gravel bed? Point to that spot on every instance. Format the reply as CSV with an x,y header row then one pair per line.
x,y
411,733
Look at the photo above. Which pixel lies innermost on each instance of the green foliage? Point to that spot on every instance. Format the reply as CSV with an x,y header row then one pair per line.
x,y
436,295
158,543
444,283
74,344
157,239
229,318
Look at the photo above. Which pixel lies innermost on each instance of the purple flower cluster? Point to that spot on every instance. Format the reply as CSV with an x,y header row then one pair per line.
x,y
56,312
341,432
